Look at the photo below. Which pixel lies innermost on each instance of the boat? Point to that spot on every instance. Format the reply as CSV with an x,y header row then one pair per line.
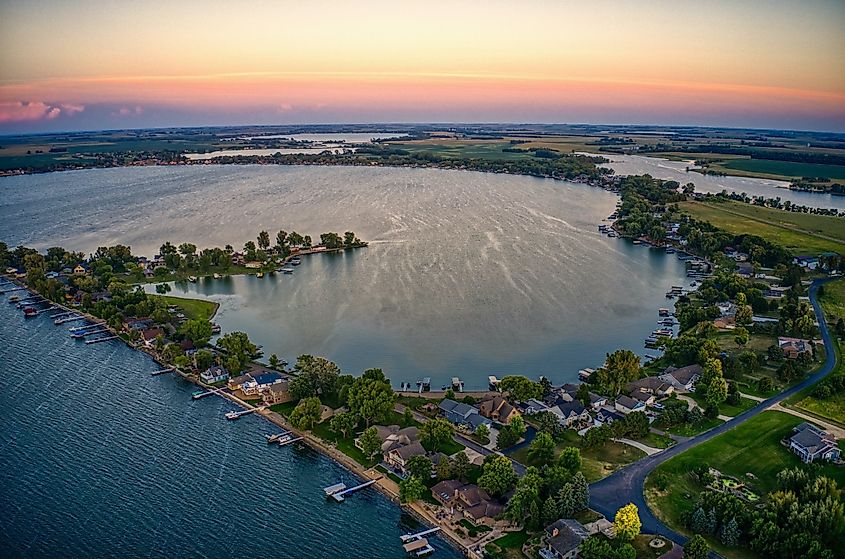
x,y
612,234
197,394
192,279
287,270
30,312
232,415
425,384
275,438
259,275
215,328
670,250
493,382
637,242
14,299
296,261
217,276
663,312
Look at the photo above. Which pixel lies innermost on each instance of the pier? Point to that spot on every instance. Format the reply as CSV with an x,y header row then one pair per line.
x,y
83,328
417,544
68,319
233,415
162,372
197,394
339,495
286,440
418,535
98,340
82,334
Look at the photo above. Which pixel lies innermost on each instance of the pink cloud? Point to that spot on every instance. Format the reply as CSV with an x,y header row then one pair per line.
x,y
126,111
18,111
71,109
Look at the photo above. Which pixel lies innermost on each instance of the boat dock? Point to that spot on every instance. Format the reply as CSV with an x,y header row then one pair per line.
x,y
98,340
339,495
10,290
288,439
68,319
274,438
162,372
197,394
417,544
233,415
85,333
418,535
83,328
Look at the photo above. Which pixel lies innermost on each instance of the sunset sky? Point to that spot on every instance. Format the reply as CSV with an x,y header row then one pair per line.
x,y
82,65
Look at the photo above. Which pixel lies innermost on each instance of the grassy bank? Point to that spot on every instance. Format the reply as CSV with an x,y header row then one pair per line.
x,y
191,308
798,232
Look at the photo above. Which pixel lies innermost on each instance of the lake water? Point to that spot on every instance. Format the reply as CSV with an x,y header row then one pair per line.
x,y
467,274
100,459
676,170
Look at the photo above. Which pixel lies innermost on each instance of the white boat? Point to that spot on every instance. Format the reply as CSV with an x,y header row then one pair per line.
x,y
192,279
217,276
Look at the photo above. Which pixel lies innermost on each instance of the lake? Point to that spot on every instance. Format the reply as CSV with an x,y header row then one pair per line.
x,y
100,459
712,184
467,274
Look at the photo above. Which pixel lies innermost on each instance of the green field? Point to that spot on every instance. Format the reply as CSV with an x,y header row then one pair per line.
x,y
798,232
753,446
788,169
459,149
191,308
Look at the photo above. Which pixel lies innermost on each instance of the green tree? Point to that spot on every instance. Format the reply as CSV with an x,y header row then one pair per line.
x,y
497,475
239,350
570,459
264,240
162,288
744,315
196,330
306,413
598,547
621,367
729,534
542,449
343,423
274,361
370,398
627,522
203,359
741,336
460,466
483,432
419,467
696,548
370,442
549,511
444,470
411,489
717,391
435,433
315,376
408,417
520,388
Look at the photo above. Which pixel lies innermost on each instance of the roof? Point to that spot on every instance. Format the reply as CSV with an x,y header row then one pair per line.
x,y
446,489
476,419
685,374
565,535
240,379
649,383
569,408
410,450
458,408
279,388
151,333
472,495
627,402
596,398
641,396
267,378
810,437
214,371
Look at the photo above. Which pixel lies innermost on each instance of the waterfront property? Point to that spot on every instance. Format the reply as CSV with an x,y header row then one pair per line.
x,y
467,500
214,374
498,409
562,539
683,378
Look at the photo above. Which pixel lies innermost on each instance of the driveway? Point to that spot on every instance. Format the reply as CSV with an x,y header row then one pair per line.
x,y
628,484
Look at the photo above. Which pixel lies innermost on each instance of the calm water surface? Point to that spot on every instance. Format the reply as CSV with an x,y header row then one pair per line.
x,y
467,274
99,459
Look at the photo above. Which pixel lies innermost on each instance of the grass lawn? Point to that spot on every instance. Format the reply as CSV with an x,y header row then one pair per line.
x,y
785,169
644,551
191,308
801,233
346,446
725,408
508,546
756,342
472,529
687,430
656,441
753,446
449,448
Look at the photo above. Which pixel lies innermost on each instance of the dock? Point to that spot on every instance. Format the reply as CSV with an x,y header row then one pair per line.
x,y
83,328
98,340
197,394
332,489
83,334
418,535
418,547
274,438
68,319
287,439
339,495
162,372
233,415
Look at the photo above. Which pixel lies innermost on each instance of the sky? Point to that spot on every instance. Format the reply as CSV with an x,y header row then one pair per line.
x,y
87,65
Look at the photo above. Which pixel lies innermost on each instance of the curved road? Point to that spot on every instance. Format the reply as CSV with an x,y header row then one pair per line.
x,y
628,484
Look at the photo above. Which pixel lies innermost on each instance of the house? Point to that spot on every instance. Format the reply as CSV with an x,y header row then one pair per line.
x,y
238,382
644,397
139,323
627,405
468,500
150,335
397,458
392,437
572,413
498,409
683,378
745,269
806,261
794,347
277,394
476,420
811,443
562,539
51,275
456,412
608,415
258,383
80,270
651,385
597,400
533,406
726,308
214,374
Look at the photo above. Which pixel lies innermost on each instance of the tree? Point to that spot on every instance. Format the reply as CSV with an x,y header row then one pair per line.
x,y
574,496
483,432
549,511
621,367
197,330
570,459
264,240
306,413
717,391
729,534
711,369
370,398
239,350
411,489
741,336
419,466
698,521
343,423
520,388
435,433
274,361
548,422
281,239
316,375
497,475
460,465
444,470
696,548
370,442
162,288
744,315
627,522
408,417
203,359
636,424
542,449
597,547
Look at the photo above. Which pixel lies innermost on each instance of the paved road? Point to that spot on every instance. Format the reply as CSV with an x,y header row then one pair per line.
x,y
627,484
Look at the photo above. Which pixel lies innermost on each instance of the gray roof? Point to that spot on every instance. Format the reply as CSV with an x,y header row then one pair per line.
x,y
685,374
569,407
569,536
629,403
459,408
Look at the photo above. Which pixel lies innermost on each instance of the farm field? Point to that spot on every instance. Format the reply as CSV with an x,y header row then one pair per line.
x,y
780,169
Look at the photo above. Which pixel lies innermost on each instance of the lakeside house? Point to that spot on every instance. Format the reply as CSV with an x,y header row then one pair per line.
x,y
608,415
258,383
651,385
626,405
277,394
467,500
811,443
397,458
392,437
683,378
498,409
457,412
149,336
562,539
806,261
214,374
534,406
571,414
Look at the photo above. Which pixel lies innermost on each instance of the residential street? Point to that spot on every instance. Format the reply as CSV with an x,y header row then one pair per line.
x,y
627,484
